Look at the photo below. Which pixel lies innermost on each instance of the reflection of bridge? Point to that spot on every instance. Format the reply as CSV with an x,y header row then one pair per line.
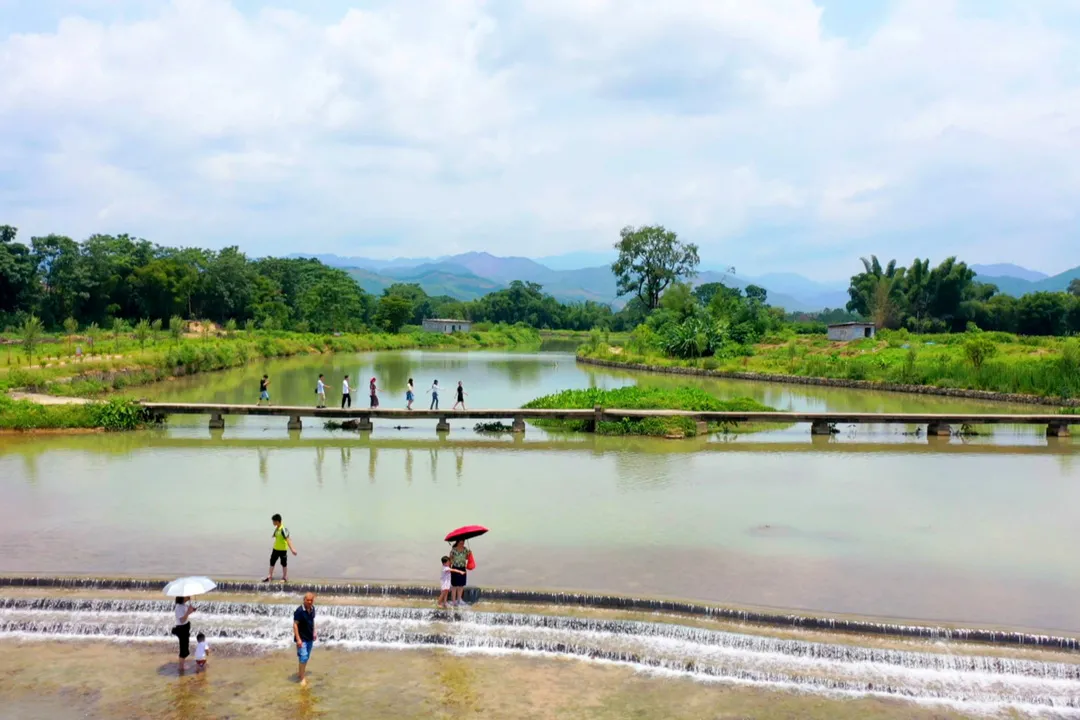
x,y
820,422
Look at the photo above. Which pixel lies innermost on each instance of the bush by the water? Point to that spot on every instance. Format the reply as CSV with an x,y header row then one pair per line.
x,y
110,415
639,398
493,428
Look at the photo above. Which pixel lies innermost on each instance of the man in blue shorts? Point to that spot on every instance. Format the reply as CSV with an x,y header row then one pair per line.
x,y
304,633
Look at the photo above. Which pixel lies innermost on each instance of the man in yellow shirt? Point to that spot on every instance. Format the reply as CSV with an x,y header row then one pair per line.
x,y
282,546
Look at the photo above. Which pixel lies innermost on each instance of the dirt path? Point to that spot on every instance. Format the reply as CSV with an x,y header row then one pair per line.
x,y
41,399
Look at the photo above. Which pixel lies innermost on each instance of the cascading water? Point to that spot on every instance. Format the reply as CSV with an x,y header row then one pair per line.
x,y
968,681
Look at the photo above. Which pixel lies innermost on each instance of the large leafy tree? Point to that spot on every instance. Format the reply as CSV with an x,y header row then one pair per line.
x,y
877,292
651,258
17,272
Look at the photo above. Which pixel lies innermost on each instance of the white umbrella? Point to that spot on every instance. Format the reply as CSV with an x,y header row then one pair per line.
x,y
188,586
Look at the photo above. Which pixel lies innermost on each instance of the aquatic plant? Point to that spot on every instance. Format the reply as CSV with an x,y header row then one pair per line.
x,y
641,398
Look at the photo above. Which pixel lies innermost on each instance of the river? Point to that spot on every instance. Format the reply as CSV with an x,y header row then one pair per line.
x,y
875,521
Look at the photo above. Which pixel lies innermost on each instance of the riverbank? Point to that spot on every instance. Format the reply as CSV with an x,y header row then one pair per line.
x,y
670,367
68,379
133,364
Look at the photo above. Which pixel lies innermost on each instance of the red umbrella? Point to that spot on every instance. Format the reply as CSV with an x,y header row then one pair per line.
x,y
465,533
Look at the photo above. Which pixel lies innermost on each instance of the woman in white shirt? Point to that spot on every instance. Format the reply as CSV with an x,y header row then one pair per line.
x,y
182,629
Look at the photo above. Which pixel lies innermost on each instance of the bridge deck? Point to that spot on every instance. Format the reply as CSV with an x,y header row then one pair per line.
x,y
616,413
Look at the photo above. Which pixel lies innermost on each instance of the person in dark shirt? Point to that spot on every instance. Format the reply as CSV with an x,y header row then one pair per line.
x,y
304,633
264,390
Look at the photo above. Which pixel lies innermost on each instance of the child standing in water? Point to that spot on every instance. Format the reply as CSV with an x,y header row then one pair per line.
x,y
447,573
201,651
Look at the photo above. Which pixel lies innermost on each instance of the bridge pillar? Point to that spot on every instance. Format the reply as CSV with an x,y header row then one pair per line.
x,y
702,427
1057,430
217,421
938,430
519,424
295,423
443,425
597,418
820,427
364,424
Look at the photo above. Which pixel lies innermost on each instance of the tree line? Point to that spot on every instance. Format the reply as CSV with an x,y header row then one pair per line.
x,y
949,298
110,278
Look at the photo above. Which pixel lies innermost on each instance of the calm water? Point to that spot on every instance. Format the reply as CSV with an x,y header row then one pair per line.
x,y
875,522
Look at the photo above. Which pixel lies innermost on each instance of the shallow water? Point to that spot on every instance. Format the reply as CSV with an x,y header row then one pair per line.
x,y
968,682
873,521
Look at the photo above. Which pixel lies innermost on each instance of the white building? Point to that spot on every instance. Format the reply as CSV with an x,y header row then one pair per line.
x,y
842,332
443,325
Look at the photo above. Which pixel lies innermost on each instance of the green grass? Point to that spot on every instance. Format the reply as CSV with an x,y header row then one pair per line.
x,y
1045,367
110,415
638,398
122,363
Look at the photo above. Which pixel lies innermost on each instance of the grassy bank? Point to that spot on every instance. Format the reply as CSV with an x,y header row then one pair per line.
x,y
109,415
124,362
993,362
637,398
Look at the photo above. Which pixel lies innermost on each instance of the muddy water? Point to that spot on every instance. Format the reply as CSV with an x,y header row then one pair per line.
x,y
873,522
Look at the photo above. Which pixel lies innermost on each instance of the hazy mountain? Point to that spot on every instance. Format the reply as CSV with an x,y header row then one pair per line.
x,y
999,270
1016,286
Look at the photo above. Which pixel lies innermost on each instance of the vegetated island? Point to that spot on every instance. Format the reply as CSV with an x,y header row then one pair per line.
x,y
645,398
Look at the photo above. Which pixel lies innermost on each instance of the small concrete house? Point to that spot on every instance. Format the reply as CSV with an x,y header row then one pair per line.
x,y
443,325
842,332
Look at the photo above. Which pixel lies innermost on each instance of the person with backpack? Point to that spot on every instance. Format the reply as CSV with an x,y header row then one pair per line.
x,y
282,547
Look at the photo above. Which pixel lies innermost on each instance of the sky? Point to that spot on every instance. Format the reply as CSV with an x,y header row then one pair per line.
x,y
777,135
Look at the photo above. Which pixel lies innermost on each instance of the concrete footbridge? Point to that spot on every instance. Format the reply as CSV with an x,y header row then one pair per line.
x,y
821,423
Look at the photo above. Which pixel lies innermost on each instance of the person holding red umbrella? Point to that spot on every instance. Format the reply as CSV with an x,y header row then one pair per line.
x,y
461,559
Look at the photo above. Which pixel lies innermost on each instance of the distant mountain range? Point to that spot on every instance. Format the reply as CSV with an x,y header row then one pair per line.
x,y
471,275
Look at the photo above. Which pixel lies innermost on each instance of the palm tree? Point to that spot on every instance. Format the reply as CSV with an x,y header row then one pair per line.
x,y
876,293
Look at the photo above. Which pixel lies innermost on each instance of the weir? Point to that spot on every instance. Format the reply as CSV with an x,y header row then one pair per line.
x,y
821,423
957,679
588,600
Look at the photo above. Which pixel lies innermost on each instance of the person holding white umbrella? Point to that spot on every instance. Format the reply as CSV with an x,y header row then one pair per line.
x,y
182,629
183,589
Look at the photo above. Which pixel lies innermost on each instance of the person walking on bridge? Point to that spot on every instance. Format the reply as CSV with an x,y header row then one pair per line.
x,y
346,397
460,396
374,394
434,396
264,390
320,392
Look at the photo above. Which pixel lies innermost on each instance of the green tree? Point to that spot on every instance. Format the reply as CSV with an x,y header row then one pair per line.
x,y
978,350
30,333
156,328
93,332
876,292
650,259
71,326
17,272
1074,287
142,333
249,325
393,312
176,328
118,329
230,328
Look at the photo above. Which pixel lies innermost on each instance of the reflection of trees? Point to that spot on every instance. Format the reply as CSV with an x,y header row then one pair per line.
x,y
392,374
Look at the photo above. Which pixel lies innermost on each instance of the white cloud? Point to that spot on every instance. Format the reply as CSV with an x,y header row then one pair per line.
x,y
424,126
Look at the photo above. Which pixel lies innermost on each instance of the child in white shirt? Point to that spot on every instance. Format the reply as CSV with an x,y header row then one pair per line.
x,y
445,585
201,651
